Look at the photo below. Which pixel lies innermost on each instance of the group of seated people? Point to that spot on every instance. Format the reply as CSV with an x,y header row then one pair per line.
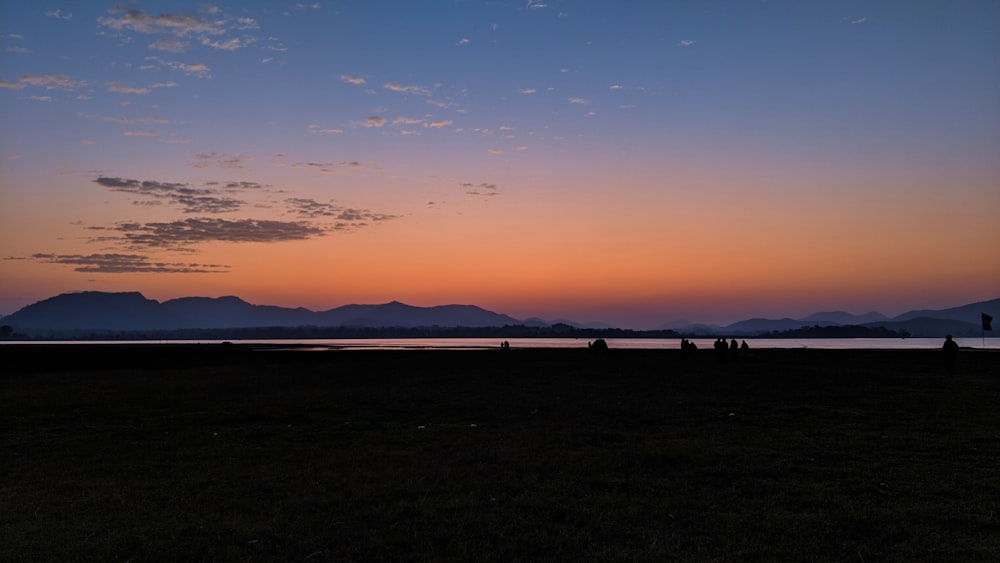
x,y
724,351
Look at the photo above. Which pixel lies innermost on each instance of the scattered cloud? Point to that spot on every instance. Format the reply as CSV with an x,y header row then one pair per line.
x,y
494,150
686,42
40,98
200,70
438,124
120,89
141,22
51,81
180,234
373,121
168,44
329,131
59,15
11,85
483,189
528,91
231,44
355,80
191,199
536,5
419,90
140,119
859,21
463,41
127,264
210,159
580,101
345,217
615,87
140,133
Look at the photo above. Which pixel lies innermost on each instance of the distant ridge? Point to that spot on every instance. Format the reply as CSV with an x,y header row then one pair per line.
x,y
131,311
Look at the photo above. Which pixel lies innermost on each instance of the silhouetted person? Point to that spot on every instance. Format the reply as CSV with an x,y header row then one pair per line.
x,y
734,350
721,350
950,353
598,346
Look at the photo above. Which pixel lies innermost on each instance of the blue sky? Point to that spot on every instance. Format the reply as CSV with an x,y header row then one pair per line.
x,y
721,159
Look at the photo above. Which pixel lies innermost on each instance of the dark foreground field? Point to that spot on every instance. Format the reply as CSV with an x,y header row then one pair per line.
x,y
229,454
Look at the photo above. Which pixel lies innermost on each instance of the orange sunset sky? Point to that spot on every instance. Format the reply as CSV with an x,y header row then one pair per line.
x,y
626,162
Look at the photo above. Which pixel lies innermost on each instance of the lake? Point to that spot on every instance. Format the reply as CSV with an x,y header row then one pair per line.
x,y
992,343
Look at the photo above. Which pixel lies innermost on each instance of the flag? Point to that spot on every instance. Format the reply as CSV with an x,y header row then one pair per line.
x,y
986,322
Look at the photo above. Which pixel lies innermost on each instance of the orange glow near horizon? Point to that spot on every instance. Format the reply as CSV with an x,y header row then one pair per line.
x,y
724,179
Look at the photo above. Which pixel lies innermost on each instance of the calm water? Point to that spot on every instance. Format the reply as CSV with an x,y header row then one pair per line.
x,y
623,343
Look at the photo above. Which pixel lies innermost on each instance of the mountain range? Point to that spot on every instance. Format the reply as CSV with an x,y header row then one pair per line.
x,y
131,311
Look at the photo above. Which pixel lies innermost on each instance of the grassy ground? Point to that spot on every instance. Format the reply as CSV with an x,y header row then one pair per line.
x,y
212,454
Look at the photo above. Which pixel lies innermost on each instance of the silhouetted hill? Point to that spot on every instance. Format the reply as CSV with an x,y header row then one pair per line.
x,y
91,309
396,314
926,327
844,318
231,312
101,311
967,313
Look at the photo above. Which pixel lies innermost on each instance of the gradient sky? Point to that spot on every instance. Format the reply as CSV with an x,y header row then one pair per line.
x,y
631,162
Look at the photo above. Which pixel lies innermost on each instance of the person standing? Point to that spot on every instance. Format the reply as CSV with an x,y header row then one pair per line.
x,y
950,354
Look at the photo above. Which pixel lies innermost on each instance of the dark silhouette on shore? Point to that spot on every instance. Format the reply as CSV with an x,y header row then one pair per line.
x,y
598,346
688,349
949,353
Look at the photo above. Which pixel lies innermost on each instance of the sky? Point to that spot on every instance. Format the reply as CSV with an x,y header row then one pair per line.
x,y
630,162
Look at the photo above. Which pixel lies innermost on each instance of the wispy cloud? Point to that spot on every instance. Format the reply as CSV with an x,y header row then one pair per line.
x,y
686,42
372,121
527,91
579,101
59,15
482,189
328,131
859,21
356,80
438,123
419,90
51,81
141,22
344,217
121,89
220,160
168,44
140,119
494,150
140,133
200,70
126,264
231,44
